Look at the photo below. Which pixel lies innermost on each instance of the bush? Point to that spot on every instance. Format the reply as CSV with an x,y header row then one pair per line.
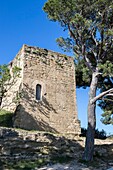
x,y
6,118
98,134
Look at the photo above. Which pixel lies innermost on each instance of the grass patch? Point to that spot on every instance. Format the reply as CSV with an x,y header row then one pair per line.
x,y
25,164
6,118
40,162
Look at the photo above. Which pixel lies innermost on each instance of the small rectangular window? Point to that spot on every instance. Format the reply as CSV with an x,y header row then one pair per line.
x,y
38,92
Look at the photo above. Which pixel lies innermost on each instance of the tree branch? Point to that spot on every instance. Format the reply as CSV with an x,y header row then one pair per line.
x,y
93,37
111,94
88,63
101,95
71,33
108,99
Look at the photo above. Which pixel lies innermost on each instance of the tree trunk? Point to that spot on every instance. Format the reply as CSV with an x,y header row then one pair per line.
x,y
1,96
0,101
89,145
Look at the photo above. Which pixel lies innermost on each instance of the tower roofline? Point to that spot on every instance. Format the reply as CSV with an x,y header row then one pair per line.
x,y
25,46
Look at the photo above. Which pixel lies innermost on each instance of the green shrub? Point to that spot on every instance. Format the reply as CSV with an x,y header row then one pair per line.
x,y
6,118
98,134
25,164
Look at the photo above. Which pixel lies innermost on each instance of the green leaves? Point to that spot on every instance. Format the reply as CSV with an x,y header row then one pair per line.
x,y
6,118
16,71
83,76
90,26
107,117
65,44
109,32
4,73
7,78
4,77
59,10
106,68
79,20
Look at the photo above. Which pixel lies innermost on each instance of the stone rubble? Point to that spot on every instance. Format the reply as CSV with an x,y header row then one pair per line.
x,y
16,145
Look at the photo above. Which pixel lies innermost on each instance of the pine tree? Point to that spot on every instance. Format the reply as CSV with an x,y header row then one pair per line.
x,y
90,27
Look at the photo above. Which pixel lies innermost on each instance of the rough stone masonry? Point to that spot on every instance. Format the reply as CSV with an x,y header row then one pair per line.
x,y
43,97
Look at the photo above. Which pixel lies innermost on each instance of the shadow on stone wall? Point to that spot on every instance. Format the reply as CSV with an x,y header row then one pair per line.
x,y
31,120
105,152
37,147
44,106
24,120
20,149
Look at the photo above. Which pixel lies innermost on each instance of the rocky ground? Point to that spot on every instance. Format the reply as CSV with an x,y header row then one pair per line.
x,y
28,150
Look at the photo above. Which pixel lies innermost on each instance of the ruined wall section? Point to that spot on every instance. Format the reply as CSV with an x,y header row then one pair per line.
x,y
11,98
57,111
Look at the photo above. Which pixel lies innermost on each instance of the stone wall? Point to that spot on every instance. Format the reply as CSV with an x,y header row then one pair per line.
x,y
56,111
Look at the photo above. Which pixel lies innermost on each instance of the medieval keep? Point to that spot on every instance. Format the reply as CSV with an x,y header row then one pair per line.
x,y
43,97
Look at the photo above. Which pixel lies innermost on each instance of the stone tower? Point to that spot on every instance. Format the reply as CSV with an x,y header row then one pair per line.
x,y
44,96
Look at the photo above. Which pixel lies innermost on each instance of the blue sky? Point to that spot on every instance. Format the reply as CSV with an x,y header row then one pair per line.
x,y
24,22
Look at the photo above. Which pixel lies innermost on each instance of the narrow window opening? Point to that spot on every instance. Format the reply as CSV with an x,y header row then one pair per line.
x,y
38,92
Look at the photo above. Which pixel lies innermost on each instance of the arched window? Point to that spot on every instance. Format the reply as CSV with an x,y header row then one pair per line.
x,y
38,92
